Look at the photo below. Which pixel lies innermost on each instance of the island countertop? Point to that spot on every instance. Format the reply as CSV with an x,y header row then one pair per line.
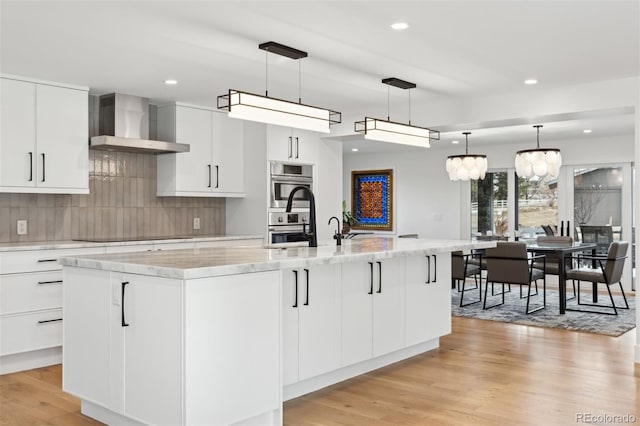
x,y
209,262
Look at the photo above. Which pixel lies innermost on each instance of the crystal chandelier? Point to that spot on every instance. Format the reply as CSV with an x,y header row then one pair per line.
x,y
467,166
539,162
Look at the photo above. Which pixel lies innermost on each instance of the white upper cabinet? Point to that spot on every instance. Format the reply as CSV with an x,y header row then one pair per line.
x,y
44,138
214,166
292,145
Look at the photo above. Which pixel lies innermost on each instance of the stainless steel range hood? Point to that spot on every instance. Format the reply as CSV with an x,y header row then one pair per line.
x,y
124,126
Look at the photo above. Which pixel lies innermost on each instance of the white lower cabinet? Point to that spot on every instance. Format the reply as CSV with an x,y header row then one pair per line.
x,y
373,317
310,322
123,343
428,298
168,351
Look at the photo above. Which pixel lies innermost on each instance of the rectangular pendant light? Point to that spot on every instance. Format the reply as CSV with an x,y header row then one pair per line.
x,y
265,109
249,106
390,131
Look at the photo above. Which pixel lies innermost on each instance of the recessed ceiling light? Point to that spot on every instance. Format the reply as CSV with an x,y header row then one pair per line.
x,y
399,26
354,149
171,82
531,81
587,131
455,142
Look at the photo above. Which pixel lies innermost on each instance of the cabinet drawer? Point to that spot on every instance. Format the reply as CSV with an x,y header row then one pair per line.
x,y
39,260
30,292
32,331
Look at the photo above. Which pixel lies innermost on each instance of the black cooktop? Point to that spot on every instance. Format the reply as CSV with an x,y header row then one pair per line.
x,y
125,239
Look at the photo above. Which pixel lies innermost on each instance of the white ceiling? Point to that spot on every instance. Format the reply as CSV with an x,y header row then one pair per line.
x,y
452,48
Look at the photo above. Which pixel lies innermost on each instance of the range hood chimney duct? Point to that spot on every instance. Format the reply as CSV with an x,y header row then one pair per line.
x,y
124,126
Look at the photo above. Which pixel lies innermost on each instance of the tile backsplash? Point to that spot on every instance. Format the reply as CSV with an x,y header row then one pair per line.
x,y
121,203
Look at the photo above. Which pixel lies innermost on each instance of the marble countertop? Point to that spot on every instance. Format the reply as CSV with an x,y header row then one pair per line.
x,y
69,244
208,262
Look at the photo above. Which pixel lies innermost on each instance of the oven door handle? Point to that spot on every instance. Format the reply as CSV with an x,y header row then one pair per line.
x,y
302,180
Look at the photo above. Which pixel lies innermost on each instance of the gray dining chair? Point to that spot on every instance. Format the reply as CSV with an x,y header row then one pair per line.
x,y
460,270
608,270
508,263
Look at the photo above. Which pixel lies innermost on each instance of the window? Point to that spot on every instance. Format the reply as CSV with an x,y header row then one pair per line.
x,y
537,207
489,204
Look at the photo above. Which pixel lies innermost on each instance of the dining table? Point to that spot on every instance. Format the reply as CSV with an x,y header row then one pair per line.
x,y
565,251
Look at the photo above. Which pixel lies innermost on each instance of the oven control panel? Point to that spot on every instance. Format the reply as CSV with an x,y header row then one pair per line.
x,y
292,218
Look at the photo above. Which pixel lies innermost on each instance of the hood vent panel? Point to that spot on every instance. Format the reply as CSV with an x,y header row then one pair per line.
x,y
124,126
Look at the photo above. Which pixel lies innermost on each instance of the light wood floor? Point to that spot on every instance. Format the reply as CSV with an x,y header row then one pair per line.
x,y
485,373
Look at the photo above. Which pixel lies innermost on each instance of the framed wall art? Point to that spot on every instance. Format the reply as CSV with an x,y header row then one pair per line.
x,y
372,199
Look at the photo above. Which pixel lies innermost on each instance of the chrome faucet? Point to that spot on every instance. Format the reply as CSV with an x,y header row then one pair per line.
x,y
337,236
312,235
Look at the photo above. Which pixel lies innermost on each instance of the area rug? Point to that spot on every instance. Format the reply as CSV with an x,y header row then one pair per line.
x,y
513,312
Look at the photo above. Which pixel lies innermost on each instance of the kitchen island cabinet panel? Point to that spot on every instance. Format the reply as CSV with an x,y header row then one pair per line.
x,y
428,300
388,306
310,322
232,344
357,312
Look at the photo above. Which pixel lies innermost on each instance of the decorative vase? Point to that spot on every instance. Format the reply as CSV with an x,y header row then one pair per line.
x,y
346,227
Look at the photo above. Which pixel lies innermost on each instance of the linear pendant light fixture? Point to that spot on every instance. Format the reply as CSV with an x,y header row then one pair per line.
x,y
265,109
467,166
539,162
391,131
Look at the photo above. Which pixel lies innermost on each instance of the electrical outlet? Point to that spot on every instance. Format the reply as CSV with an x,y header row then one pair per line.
x,y
196,223
22,227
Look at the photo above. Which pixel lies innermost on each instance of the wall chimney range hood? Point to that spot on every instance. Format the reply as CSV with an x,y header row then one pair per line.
x,y
124,126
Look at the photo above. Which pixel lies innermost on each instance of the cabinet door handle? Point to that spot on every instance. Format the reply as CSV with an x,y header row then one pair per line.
x,y
428,281
306,302
297,147
43,167
50,282
209,169
217,176
31,167
435,268
371,280
47,260
290,152
379,277
124,323
295,287
51,320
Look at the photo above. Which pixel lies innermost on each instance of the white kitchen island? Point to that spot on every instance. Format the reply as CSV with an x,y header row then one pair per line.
x,y
224,335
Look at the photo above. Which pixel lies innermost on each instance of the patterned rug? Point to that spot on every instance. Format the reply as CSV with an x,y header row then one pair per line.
x,y
513,311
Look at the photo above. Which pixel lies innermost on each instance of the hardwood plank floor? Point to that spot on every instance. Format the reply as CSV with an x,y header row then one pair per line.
x,y
485,373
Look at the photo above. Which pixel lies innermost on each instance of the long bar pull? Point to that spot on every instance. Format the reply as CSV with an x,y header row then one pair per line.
x,y
43,167
209,168
47,260
51,320
124,323
290,151
428,270
435,268
379,277
217,176
31,167
371,281
306,302
297,147
50,282
295,286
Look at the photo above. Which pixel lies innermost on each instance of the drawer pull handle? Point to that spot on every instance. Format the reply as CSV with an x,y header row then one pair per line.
x,y
51,320
123,322
47,260
50,282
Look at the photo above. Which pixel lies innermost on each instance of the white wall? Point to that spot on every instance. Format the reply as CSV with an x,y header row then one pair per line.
x,y
425,202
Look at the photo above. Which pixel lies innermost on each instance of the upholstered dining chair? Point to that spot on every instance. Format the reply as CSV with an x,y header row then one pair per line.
x,y
460,270
607,270
552,260
508,263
